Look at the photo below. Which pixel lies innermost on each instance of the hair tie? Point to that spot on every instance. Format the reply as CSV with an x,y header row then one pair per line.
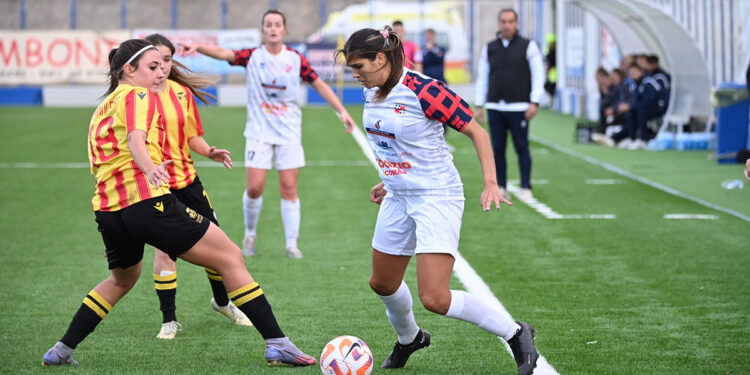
x,y
386,35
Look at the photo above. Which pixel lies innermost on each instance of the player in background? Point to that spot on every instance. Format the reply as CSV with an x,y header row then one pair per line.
x,y
274,123
176,104
411,49
421,196
133,207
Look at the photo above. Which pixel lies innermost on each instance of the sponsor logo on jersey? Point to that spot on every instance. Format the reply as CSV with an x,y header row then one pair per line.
x,y
394,168
181,96
399,108
376,130
277,110
141,95
383,144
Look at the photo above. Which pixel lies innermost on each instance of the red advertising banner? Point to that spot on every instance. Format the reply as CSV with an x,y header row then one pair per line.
x,y
56,56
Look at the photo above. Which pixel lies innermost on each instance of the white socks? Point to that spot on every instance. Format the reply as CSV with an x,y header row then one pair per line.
x,y
290,215
398,308
251,210
467,307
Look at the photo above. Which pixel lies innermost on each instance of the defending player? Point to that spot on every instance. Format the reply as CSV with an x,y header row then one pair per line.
x,y
184,133
133,206
273,129
421,197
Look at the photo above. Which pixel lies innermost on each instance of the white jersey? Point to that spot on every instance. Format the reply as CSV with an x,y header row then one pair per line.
x,y
273,82
405,132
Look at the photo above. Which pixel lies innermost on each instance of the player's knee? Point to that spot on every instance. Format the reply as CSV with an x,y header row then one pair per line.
x,y
382,288
439,303
254,191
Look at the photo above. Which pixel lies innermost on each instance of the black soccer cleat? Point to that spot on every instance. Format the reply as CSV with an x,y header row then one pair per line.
x,y
524,350
401,353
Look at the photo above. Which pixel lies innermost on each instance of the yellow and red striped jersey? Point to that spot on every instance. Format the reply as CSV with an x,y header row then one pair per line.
x,y
119,182
181,121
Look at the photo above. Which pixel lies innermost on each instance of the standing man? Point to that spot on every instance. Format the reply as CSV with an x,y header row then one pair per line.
x,y
510,84
433,59
411,50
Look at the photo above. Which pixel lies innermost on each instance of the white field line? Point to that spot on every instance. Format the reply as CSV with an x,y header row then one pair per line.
x,y
640,179
548,212
201,164
464,272
533,182
602,181
691,216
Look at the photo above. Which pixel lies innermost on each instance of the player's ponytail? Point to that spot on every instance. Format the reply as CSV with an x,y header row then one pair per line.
x,y
367,43
128,53
181,74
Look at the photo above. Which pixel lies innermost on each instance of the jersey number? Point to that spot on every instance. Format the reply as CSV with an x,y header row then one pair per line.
x,y
208,199
250,155
102,141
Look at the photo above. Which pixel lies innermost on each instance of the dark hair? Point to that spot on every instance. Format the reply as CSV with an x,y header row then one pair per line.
x,y
397,23
505,10
652,59
620,73
430,30
272,11
180,73
603,72
117,58
367,43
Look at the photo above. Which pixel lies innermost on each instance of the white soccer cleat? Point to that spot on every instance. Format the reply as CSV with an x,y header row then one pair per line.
x,y
624,144
526,195
293,252
169,330
235,315
248,245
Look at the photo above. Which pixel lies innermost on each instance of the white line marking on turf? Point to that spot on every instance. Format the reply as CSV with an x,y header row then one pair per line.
x,y
691,216
464,272
202,164
533,182
602,181
640,179
548,212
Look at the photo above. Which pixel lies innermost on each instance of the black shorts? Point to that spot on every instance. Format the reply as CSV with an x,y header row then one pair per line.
x,y
195,197
162,222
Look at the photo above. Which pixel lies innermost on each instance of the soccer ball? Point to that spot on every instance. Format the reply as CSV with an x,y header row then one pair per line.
x,y
346,355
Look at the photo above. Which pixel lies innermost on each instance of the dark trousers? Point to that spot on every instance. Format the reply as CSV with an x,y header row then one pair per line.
x,y
500,123
636,123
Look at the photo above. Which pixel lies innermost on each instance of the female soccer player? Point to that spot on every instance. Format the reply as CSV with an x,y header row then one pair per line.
x,y
184,133
133,206
421,197
273,127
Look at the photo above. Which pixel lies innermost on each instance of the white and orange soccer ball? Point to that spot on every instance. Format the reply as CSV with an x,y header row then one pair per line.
x,y
346,355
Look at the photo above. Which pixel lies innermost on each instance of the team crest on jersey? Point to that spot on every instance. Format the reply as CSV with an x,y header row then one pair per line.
x,y
399,108
377,131
141,95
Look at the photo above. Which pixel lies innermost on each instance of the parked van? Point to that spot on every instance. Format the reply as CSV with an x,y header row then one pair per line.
x,y
442,16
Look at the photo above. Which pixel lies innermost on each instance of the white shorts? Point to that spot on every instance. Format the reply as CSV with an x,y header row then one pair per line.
x,y
414,224
287,156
